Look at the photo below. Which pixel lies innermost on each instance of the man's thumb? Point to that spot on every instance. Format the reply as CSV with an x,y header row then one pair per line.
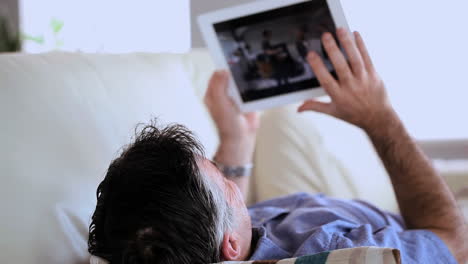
x,y
313,105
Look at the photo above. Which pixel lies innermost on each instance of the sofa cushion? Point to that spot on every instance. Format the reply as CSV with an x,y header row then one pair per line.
x,y
360,255
312,152
65,116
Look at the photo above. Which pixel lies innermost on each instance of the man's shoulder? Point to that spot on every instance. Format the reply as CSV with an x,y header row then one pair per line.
x,y
302,199
287,201
314,211
321,223
265,211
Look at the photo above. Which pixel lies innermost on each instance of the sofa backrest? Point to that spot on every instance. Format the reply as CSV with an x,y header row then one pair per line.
x,y
64,117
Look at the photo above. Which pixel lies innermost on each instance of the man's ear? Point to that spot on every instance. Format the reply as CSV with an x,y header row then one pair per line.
x,y
231,247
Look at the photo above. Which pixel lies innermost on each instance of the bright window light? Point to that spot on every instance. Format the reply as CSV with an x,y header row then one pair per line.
x,y
115,26
419,48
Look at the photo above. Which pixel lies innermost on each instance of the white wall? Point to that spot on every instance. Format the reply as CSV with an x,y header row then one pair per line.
x,y
420,49
202,6
107,25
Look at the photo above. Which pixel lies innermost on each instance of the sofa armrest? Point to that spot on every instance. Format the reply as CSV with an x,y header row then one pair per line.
x,y
450,158
453,149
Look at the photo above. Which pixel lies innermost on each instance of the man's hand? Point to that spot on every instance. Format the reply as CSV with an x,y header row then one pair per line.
x,y
237,131
358,96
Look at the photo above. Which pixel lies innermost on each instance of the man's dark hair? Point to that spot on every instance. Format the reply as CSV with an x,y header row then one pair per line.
x,y
153,205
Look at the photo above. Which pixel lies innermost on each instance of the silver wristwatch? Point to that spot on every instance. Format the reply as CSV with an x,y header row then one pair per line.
x,y
235,171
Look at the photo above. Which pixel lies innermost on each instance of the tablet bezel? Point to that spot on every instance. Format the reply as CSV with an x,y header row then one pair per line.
x,y
207,21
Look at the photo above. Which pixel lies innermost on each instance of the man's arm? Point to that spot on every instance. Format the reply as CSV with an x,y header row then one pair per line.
x,y
237,131
359,97
424,198
234,154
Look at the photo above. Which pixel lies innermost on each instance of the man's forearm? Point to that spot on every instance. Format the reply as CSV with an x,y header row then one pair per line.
x,y
424,198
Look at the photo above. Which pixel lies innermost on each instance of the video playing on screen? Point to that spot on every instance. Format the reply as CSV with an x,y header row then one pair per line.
x,y
267,52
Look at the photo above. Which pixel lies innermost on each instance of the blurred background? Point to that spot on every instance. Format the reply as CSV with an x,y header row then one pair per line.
x,y
77,76
418,46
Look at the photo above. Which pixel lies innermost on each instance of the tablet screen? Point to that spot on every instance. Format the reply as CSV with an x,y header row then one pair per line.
x,y
266,52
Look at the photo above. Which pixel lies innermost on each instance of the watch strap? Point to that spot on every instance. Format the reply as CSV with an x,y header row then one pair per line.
x,y
235,171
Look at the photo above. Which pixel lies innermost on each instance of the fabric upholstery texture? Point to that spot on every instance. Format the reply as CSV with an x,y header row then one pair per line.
x,y
291,156
360,255
314,153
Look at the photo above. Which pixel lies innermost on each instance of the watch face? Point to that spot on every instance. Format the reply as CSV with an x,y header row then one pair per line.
x,y
238,171
235,171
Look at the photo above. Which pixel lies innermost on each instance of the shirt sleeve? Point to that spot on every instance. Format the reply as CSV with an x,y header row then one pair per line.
x,y
416,246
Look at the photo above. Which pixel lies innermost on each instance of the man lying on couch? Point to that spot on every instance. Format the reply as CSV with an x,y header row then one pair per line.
x,y
162,201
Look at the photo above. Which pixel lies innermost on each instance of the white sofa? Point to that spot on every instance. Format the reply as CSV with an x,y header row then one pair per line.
x,y
65,116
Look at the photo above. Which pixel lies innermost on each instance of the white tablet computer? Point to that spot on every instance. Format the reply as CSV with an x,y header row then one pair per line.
x,y
264,45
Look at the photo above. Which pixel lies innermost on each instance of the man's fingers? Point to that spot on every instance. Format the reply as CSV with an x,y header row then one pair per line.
x,y
217,92
218,85
351,49
251,115
364,53
317,106
212,84
253,119
324,77
336,56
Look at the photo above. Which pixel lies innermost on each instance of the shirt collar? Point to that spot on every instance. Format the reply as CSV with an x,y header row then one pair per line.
x,y
263,248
